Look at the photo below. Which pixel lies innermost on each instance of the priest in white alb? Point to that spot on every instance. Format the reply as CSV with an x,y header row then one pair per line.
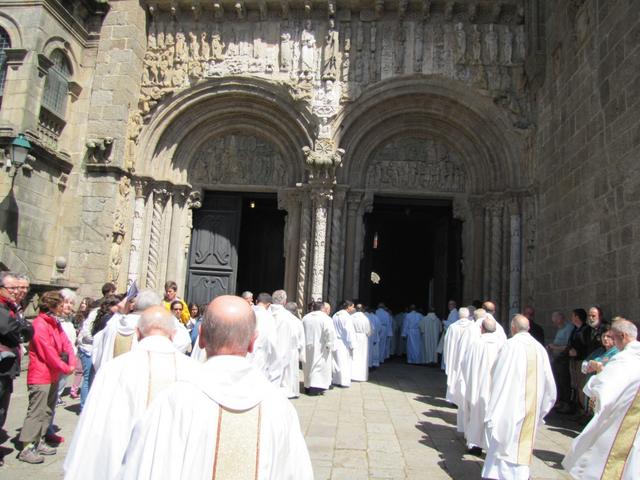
x,y
431,327
386,331
523,391
345,340
411,331
609,446
289,339
453,350
264,355
477,365
320,342
481,314
362,329
230,422
121,393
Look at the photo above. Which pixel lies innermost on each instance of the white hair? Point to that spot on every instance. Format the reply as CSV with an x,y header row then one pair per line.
x,y
625,327
279,297
147,298
69,294
463,312
157,319
520,323
481,313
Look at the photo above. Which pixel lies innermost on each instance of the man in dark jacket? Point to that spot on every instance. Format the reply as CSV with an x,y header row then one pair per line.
x,y
13,330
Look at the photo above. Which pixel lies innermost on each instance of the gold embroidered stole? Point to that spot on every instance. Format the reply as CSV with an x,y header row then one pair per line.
x,y
122,344
528,430
237,444
163,372
623,443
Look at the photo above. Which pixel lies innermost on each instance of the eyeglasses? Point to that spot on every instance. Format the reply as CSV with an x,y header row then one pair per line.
x,y
11,288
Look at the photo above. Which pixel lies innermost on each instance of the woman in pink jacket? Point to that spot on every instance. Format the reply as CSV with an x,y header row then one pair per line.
x,y
50,355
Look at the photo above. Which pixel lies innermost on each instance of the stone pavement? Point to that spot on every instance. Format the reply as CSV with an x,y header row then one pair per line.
x,y
397,425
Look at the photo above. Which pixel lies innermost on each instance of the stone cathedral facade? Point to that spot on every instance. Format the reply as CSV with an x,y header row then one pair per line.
x,y
509,110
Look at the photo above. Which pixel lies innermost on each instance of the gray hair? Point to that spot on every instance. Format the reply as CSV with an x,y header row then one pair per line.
x,y
480,313
520,323
22,276
156,319
247,294
69,294
463,312
279,297
234,332
489,324
292,307
147,298
625,327
5,275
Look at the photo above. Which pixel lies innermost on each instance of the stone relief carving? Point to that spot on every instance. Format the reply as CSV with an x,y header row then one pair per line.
x,y
239,159
416,163
119,229
330,67
323,161
308,52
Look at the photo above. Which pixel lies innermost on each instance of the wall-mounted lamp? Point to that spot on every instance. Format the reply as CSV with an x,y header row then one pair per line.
x,y
252,204
19,152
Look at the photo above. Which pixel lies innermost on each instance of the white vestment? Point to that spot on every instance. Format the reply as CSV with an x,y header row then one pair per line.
x,y
411,331
320,340
477,365
124,326
290,346
230,422
343,353
609,446
264,355
431,326
452,352
121,393
387,326
197,353
499,330
374,339
523,391
360,365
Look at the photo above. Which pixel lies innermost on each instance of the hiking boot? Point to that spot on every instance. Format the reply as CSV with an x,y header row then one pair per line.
x,y
29,455
44,449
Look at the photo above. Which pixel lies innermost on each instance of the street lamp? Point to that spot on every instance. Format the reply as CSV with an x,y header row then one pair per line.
x,y
19,150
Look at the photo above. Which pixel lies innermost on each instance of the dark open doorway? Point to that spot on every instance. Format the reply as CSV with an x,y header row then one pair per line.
x,y
237,245
412,254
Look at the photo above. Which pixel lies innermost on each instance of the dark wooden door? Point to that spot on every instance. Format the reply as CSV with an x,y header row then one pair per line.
x,y
213,257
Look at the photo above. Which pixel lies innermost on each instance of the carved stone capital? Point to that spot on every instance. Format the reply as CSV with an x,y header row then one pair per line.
x,y
323,161
194,200
139,187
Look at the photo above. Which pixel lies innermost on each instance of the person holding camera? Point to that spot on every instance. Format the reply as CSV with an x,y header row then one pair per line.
x,y
50,355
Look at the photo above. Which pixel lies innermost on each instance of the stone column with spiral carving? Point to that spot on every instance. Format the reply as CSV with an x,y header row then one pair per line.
x,y
155,238
336,252
135,251
321,199
303,254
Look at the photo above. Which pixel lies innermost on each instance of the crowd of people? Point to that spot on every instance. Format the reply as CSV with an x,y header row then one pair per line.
x,y
175,390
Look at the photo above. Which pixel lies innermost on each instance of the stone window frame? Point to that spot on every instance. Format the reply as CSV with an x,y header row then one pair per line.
x,y
5,44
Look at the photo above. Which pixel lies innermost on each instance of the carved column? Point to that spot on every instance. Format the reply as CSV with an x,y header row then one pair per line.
x,y
366,206
336,253
321,202
496,249
289,200
303,252
155,238
135,251
353,204
515,260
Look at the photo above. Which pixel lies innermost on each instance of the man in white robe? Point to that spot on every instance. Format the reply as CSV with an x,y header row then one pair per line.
x,y
121,392
411,331
609,446
345,340
362,329
477,365
320,340
374,339
386,331
431,327
119,335
523,391
264,355
289,339
453,350
481,314
230,422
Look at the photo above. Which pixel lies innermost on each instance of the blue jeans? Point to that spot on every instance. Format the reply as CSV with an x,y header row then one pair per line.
x,y
87,376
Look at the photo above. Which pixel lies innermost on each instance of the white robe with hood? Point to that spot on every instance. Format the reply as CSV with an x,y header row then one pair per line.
x,y
343,353
320,339
360,365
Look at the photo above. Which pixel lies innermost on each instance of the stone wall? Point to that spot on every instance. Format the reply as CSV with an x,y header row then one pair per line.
x,y
587,148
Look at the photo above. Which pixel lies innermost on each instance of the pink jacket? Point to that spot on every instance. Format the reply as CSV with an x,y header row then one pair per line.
x,y
49,341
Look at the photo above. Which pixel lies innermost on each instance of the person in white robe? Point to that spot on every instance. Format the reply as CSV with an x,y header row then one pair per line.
x,y
452,317
609,446
477,365
387,326
452,351
290,338
119,335
121,392
264,355
523,391
320,342
362,329
345,340
481,314
229,422
431,327
412,333
374,339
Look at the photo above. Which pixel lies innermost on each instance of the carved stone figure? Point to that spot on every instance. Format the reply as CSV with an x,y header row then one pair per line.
x,y
286,52
399,50
521,44
491,46
308,52
115,257
217,48
419,45
194,46
182,53
461,44
507,46
205,48
330,67
150,72
476,45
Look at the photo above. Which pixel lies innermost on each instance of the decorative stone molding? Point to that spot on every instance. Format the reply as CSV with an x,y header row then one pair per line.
x,y
15,57
323,161
135,249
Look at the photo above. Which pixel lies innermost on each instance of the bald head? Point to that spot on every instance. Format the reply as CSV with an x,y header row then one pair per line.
x,y
156,320
488,324
228,327
463,312
519,323
490,307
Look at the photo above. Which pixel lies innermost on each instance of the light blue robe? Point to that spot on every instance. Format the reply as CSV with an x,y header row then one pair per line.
x,y
411,331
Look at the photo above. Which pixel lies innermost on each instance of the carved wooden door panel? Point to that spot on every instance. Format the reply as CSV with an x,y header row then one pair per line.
x,y
213,258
